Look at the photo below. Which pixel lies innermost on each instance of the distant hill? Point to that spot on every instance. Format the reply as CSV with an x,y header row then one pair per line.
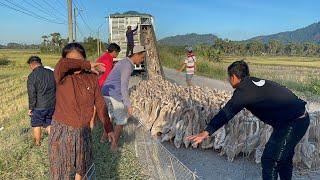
x,y
310,33
188,40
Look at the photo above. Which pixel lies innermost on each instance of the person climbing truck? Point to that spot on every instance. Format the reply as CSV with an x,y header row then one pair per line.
x,y
274,105
130,39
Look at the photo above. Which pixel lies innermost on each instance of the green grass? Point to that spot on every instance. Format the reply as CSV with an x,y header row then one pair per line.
x,y
19,158
301,74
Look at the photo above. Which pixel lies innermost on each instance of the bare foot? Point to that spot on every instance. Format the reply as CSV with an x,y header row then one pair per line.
x,y
103,138
114,147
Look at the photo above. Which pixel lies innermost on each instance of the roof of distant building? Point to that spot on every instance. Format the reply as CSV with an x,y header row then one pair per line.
x,y
130,14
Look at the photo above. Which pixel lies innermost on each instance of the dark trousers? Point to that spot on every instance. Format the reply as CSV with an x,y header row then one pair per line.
x,y
279,151
129,49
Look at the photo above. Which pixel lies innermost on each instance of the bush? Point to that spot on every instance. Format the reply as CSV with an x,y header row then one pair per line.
x,y
4,61
315,86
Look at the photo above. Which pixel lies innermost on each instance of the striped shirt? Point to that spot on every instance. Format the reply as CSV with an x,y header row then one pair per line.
x,y
190,63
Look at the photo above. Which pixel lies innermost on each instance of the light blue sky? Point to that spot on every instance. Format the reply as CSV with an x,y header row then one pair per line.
x,y
232,19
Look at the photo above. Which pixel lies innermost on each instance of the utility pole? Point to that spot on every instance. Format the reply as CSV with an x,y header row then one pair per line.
x,y
98,40
70,27
98,43
75,24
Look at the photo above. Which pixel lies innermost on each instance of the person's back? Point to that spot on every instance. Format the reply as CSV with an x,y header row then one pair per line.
x,y
116,92
119,75
130,40
273,104
44,86
107,60
260,96
42,97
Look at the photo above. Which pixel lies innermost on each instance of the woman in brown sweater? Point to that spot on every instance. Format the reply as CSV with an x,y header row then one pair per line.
x,y
77,93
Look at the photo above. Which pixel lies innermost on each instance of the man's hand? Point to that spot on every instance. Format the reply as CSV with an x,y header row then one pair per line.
x,y
130,111
198,138
30,112
97,67
111,137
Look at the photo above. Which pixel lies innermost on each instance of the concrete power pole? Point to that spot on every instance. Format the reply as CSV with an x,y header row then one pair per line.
x,y
70,27
98,43
75,24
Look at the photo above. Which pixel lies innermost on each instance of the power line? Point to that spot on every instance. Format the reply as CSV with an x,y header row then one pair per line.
x,y
40,9
54,8
78,4
29,13
80,31
75,3
64,6
44,8
85,22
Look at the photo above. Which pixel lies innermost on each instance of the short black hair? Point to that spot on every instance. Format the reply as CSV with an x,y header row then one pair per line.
x,y
239,68
114,47
73,46
35,59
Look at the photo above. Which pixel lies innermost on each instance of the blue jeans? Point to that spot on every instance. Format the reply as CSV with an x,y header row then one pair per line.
x,y
279,151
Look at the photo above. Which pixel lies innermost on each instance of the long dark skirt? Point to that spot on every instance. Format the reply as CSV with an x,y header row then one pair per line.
x,y
70,151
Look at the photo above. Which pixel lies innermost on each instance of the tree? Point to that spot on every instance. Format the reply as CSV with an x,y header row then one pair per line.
x,y
45,40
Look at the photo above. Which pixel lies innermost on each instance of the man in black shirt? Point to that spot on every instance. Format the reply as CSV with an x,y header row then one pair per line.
x,y
274,105
41,92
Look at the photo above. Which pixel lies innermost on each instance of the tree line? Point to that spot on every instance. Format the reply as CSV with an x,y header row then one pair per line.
x,y
258,48
225,47
54,42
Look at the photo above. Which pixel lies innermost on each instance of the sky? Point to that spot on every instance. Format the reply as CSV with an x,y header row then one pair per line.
x,y
231,19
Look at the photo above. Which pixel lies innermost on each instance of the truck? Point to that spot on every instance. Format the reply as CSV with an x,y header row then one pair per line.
x,y
118,23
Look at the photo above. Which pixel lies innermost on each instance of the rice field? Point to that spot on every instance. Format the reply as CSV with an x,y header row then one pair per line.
x,y
301,74
19,158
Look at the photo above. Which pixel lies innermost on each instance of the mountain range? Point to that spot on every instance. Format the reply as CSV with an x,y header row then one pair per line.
x,y
309,33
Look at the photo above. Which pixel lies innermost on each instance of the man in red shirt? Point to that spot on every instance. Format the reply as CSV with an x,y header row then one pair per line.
x,y
107,59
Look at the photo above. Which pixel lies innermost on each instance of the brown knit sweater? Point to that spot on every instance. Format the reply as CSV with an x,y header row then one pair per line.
x,y
77,94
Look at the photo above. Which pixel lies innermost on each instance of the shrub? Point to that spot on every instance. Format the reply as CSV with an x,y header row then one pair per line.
x,y
4,61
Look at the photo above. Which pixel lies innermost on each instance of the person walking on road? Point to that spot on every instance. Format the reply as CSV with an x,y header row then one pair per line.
x,y
190,65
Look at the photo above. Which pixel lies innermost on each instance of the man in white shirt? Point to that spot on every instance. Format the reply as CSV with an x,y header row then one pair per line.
x,y
190,65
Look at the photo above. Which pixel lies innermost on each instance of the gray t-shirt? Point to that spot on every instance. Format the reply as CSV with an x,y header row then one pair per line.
x,y
117,83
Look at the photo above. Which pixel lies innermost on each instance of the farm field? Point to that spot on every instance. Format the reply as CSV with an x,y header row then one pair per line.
x,y
19,158
301,74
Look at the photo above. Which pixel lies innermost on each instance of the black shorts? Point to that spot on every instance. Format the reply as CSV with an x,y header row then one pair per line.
x,y
41,118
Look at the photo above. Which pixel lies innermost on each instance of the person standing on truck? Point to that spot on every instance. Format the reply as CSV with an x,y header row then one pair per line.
x,y
42,97
116,91
130,39
190,65
274,105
